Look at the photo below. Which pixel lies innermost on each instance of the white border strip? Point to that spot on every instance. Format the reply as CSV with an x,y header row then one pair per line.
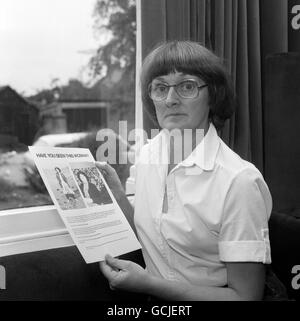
x,y
138,67
139,123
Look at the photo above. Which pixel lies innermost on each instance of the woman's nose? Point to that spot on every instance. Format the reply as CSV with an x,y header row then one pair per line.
x,y
172,98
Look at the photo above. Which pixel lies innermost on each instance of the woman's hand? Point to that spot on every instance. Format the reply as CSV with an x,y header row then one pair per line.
x,y
124,275
112,179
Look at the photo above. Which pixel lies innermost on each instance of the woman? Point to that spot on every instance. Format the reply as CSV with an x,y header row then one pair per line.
x,y
90,190
63,183
203,221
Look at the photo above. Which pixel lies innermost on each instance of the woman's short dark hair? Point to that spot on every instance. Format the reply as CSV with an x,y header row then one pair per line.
x,y
194,59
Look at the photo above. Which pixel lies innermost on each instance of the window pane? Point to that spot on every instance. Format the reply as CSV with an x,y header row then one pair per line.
x,y
61,81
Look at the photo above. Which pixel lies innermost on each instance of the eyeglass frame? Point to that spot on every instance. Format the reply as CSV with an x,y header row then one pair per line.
x,y
175,85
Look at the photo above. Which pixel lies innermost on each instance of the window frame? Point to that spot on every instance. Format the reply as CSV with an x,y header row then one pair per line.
x,y
31,229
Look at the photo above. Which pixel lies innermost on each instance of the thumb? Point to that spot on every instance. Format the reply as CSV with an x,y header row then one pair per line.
x,y
102,166
115,263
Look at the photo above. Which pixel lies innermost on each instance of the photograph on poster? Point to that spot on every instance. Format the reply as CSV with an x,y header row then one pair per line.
x,y
90,184
64,187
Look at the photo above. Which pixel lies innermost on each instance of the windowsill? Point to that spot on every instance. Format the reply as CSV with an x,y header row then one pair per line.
x,y
32,229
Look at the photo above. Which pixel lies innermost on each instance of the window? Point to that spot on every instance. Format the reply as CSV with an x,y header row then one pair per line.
x,y
56,83
28,221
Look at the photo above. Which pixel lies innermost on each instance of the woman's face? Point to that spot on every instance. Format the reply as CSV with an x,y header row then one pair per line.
x,y
83,178
182,113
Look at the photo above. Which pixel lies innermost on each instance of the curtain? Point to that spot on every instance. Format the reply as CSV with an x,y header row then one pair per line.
x,y
243,33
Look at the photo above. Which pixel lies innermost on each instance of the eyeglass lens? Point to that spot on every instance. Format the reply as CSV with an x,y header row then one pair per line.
x,y
185,89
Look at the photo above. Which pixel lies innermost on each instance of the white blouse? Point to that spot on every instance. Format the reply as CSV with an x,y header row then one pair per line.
x,y
218,211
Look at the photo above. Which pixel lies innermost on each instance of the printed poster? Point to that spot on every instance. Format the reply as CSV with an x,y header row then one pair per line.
x,y
85,203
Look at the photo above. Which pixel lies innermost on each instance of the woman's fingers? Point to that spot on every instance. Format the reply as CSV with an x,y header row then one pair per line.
x,y
112,266
116,264
111,287
104,166
101,165
123,274
108,271
111,177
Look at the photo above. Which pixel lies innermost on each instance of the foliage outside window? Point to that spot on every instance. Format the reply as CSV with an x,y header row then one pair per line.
x,y
105,99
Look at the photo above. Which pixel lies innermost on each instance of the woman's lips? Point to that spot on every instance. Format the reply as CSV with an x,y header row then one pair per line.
x,y
174,115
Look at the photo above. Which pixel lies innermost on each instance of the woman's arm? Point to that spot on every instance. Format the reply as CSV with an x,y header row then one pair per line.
x,y
245,282
112,179
127,209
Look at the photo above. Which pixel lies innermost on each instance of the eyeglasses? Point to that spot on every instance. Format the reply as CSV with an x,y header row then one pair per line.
x,y
187,89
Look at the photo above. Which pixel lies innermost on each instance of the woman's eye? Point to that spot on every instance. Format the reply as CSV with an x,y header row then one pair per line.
x,y
160,88
188,86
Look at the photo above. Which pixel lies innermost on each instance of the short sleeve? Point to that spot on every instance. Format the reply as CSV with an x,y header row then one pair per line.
x,y
244,234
